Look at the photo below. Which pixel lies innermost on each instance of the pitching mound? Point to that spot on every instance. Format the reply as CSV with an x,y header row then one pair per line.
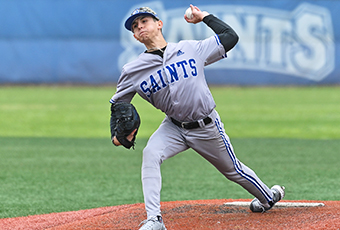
x,y
199,214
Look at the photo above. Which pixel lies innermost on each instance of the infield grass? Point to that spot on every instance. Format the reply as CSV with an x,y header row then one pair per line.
x,y
56,153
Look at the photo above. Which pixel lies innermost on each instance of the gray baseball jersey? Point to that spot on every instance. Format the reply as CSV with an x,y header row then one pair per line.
x,y
176,85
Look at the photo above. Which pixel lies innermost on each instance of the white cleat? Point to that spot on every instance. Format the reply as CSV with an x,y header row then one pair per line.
x,y
153,223
278,194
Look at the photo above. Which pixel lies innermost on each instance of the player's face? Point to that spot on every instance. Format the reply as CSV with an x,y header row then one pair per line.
x,y
146,28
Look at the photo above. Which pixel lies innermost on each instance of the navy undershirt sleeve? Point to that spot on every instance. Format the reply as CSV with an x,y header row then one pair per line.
x,y
227,35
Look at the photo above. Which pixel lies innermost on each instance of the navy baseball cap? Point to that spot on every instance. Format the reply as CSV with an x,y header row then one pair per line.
x,y
142,11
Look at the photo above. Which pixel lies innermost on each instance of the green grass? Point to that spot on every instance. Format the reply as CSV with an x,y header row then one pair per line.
x,y
56,153
287,112
64,112
306,112
44,175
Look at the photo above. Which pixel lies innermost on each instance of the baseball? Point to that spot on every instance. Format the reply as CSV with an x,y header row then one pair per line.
x,y
188,13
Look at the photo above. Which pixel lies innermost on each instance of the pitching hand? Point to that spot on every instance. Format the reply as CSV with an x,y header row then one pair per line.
x,y
197,15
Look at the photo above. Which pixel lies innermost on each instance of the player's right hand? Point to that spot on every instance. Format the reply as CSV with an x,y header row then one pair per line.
x,y
197,14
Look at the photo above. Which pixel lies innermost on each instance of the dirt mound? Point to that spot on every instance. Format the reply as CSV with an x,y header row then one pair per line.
x,y
199,214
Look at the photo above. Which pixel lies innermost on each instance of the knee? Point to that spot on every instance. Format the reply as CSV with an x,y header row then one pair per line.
x,y
152,158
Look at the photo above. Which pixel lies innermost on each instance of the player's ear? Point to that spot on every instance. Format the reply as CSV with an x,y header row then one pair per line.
x,y
159,24
135,37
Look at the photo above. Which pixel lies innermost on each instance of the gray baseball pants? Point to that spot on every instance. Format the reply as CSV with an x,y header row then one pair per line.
x,y
211,142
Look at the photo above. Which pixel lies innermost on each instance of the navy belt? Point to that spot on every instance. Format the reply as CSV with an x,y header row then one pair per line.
x,y
190,125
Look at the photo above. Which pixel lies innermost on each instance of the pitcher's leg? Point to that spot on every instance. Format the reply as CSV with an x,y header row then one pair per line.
x,y
214,145
163,144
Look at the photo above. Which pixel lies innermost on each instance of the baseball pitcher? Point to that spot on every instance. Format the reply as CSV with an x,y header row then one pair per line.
x,y
171,77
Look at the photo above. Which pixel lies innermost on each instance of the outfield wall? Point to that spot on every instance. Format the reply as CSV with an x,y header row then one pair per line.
x,y
289,42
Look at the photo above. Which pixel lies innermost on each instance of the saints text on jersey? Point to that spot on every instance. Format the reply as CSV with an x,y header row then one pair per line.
x,y
168,75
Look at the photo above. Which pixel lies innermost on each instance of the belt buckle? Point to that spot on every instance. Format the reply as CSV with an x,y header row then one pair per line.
x,y
183,124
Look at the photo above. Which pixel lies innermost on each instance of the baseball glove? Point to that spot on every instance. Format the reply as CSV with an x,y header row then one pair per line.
x,y
124,120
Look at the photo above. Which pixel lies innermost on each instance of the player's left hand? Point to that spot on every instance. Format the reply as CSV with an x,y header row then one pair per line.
x,y
116,142
124,124
197,15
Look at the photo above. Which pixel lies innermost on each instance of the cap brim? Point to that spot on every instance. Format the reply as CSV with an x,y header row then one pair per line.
x,y
129,21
